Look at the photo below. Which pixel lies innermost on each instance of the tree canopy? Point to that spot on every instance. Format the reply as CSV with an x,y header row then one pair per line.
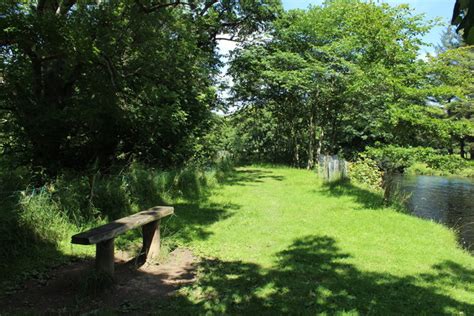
x,y
463,18
87,81
334,83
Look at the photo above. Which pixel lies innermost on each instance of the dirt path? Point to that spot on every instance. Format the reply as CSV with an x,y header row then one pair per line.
x,y
65,289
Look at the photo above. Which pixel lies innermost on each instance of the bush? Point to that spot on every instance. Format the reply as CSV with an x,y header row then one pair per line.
x,y
420,168
365,171
400,158
449,163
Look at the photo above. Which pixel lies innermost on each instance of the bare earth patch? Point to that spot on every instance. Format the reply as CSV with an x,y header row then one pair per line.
x,y
65,288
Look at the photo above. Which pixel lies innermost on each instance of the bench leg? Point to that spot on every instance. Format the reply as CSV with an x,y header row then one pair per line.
x,y
104,257
151,240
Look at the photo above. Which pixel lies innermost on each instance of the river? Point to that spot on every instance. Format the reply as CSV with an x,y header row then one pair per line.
x,y
446,200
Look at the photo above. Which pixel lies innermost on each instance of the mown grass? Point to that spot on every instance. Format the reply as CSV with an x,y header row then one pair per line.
x,y
287,243
278,240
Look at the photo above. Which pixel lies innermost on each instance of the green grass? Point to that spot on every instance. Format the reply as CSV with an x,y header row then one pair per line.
x,y
277,240
37,223
274,240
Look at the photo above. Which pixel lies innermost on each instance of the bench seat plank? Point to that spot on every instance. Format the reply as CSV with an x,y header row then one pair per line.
x,y
112,229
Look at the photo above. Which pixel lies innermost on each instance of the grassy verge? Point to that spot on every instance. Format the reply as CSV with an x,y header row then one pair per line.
x,y
278,240
286,243
423,169
37,223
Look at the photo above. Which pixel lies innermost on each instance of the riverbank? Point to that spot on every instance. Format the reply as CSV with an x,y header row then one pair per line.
x,y
279,240
421,169
291,244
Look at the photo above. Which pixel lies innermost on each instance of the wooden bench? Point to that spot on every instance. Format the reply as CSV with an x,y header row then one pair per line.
x,y
103,236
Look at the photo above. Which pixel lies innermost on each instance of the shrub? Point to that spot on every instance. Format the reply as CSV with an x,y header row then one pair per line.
x,y
365,171
400,158
420,168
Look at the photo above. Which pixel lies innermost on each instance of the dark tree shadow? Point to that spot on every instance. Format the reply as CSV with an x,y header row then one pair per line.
x,y
191,220
367,199
247,177
312,277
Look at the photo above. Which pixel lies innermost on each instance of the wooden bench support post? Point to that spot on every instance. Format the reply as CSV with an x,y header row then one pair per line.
x,y
103,237
104,257
151,240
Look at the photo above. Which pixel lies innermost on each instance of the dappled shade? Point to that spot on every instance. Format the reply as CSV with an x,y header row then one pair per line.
x,y
314,276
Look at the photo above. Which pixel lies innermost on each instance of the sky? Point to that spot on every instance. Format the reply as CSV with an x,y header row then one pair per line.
x,y
431,8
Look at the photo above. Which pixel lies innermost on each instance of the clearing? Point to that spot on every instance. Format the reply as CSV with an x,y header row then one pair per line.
x,y
277,240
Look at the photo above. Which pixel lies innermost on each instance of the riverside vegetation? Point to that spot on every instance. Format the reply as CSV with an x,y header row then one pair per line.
x,y
110,107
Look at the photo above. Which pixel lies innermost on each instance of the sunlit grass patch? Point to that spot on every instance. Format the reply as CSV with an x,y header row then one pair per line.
x,y
291,244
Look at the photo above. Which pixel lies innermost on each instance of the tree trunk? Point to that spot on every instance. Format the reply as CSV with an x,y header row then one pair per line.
x,y
462,144
297,153
320,144
296,147
312,135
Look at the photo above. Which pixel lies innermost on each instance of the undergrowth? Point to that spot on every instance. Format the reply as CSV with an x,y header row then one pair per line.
x,y
424,169
41,221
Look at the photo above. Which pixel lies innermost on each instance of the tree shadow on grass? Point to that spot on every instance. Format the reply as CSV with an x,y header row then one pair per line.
x,y
194,216
246,177
366,198
313,276
191,220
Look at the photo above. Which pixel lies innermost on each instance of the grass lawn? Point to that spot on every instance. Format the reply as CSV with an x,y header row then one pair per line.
x,y
277,240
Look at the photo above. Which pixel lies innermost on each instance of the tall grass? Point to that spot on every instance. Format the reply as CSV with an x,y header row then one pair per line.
x,y
70,203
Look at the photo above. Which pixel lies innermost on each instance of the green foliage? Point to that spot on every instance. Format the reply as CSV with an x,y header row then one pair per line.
x,y
326,80
217,144
74,202
258,138
42,219
365,172
418,125
85,83
398,158
421,168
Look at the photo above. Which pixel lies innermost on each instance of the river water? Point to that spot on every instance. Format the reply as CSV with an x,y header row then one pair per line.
x,y
445,200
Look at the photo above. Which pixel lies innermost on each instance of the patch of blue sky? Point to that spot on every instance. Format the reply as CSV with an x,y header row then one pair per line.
x,y
432,9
